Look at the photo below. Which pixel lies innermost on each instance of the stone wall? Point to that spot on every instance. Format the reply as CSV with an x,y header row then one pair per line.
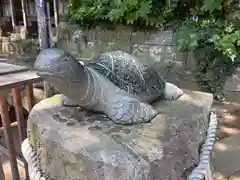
x,y
232,87
15,46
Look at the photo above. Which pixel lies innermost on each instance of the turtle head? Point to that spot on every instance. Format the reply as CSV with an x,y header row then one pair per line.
x,y
60,69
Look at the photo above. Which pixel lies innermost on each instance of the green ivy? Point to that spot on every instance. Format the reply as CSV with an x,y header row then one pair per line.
x,y
212,33
139,13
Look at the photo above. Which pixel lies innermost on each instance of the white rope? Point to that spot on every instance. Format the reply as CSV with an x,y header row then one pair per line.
x,y
201,172
33,163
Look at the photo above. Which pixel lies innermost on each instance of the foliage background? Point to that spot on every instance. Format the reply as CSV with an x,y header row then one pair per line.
x,y
208,28
139,13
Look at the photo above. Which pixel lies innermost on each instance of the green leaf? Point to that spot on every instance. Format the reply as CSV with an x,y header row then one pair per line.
x,y
131,2
211,5
115,14
229,29
181,44
237,33
173,3
131,17
238,42
116,3
144,9
235,14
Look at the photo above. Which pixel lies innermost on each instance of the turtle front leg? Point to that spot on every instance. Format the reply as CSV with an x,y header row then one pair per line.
x,y
172,92
68,102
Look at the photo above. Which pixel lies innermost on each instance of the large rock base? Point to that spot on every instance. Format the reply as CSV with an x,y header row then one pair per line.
x,y
73,145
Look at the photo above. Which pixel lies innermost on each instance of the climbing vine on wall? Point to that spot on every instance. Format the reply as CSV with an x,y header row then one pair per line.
x,y
212,32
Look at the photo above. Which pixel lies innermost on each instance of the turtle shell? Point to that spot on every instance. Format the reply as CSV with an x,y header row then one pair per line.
x,y
126,72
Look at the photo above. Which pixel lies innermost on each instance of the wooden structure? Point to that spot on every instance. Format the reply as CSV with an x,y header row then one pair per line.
x,y
13,77
22,13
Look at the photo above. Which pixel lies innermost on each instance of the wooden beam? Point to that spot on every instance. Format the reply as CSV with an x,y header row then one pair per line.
x,y
30,96
13,13
1,8
17,79
23,3
12,125
49,19
17,101
56,12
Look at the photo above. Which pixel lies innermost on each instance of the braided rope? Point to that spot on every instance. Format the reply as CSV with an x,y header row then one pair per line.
x,y
33,162
201,172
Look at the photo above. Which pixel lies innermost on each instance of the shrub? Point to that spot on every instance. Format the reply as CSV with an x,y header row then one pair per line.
x,y
140,13
212,32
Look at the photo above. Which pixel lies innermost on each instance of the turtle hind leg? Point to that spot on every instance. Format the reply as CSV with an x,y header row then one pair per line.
x,y
172,92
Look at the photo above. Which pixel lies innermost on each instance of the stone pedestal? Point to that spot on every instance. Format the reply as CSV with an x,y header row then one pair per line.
x,y
66,144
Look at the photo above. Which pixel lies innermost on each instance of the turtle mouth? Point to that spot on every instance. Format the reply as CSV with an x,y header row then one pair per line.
x,y
53,79
46,74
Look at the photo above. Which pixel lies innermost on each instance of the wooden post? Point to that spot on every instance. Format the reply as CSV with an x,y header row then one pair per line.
x,y
22,128
13,13
23,3
49,21
43,30
30,96
56,12
2,176
1,8
17,102
8,137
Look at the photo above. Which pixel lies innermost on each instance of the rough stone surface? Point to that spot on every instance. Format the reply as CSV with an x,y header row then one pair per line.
x,y
225,160
64,38
73,145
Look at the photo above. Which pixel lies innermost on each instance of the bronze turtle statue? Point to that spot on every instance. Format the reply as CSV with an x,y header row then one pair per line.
x,y
115,83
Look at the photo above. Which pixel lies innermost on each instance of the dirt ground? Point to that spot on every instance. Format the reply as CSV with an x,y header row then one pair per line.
x,y
229,119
